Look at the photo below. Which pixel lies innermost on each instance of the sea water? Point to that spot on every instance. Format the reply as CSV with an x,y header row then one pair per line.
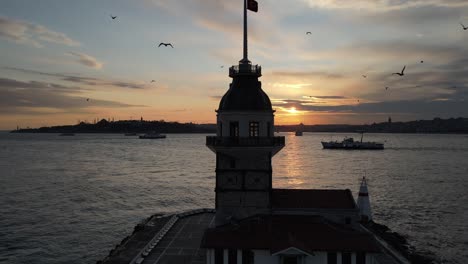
x,y
72,199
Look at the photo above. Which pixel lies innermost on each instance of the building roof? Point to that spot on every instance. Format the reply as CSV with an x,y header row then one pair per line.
x,y
245,94
280,232
317,199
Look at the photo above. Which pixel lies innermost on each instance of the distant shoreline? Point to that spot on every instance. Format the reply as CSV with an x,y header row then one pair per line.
x,y
213,133
435,126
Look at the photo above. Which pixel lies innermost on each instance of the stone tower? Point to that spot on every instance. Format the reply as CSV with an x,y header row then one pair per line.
x,y
244,145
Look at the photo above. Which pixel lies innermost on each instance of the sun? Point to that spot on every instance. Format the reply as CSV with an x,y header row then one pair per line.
x,y
292,110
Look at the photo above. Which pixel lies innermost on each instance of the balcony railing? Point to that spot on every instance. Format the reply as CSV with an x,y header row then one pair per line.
x,y
245,141
246,69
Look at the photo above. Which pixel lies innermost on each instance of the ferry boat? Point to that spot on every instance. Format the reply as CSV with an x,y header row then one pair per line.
x,y
152,136
350,143
299,130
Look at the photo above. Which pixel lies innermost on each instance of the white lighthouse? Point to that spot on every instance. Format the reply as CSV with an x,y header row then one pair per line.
x,y
363,201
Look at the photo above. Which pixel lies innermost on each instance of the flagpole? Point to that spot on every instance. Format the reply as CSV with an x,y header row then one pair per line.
x,y
245,59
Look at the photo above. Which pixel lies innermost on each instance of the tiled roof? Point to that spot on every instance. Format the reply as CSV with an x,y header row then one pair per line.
x,y
279,232
322,199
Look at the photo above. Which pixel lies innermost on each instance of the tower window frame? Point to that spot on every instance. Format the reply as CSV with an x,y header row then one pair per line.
x,y
232,163
332,258
268,129
219,256
254,129
248,256
346,257
234,129
232,256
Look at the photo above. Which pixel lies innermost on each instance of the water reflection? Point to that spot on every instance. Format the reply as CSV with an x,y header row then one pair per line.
x,y
292,165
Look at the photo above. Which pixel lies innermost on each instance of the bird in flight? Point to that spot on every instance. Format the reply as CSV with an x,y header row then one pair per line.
x,y
308,33
364,76
464,28
113,17
422,61
153,81
402,73
165,44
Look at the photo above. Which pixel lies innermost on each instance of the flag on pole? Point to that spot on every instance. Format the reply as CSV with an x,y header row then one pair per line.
x,y
252,5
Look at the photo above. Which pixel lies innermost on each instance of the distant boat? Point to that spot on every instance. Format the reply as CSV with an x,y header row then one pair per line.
x,y
300,130
349,143
152,136
67,134
130,134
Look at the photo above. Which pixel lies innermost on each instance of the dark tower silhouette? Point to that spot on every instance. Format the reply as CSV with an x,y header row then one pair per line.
x,y
244,144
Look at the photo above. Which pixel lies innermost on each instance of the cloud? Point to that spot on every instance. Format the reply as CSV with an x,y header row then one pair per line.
x,y
216,98
86,60
454,105
389,52
38,97
383,5
328,97
223,17
27,33
312,74
19,85
90,81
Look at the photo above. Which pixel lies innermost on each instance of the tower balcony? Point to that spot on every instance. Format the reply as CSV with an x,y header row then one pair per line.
x,y
245,69
273,144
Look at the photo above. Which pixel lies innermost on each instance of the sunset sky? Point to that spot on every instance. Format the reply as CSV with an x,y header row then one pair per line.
x,y
55,54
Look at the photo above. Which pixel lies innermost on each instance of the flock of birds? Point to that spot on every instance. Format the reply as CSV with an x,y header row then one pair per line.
x,y
160,44
401,74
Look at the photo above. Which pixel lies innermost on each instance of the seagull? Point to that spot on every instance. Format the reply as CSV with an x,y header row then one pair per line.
x,y
365,76
113,17
308,33
165,45
402,73
464,28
